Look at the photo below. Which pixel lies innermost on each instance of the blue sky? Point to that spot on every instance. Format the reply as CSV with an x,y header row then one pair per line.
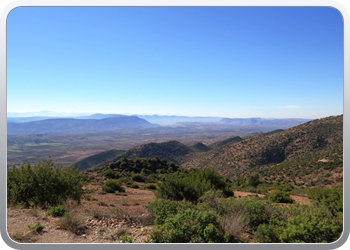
x,y
227,62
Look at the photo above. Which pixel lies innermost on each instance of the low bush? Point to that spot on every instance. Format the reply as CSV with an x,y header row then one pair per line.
x,y
285,187
268,233
279,196
73,223
126,239
304,224
138,177
36,228
331,198
150,186
111,174
253,212
190,226
56,211
134,185
210,200
161,209
111,186
192,185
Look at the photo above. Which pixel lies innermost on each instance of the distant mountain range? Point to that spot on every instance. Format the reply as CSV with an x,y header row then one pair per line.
x,y
76,126
113,122
162,120
281,123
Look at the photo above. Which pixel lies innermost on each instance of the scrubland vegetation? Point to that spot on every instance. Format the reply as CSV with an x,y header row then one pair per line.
x,y
196,205
278,187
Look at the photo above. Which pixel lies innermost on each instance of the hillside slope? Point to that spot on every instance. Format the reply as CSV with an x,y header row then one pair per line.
x,y
99,159
171,151
225,141
265,149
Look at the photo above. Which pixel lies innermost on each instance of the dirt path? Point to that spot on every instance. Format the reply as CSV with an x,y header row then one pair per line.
x,y
299,199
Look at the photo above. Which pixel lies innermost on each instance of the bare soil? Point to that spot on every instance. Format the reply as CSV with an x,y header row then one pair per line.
x,y
103,218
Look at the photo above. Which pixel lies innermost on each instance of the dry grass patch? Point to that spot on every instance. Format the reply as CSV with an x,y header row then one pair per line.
x,y
72,222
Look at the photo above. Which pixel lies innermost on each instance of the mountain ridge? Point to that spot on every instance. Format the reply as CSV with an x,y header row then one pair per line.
x,y
73,125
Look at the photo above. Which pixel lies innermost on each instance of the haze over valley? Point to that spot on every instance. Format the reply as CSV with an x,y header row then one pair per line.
x,y
60,137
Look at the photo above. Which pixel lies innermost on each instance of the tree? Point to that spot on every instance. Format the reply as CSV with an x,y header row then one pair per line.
x,y
43,184
253,180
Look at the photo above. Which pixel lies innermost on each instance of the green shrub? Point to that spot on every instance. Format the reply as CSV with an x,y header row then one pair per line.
x,y
268,233
331,198
304,224
56,211
210,200
280,196
43,184
151,186
134,185
138,177
128,182
36,228
190,226
162,209
285,187
312,225
254,212
126,239
111,186
253,180
192,185
111,174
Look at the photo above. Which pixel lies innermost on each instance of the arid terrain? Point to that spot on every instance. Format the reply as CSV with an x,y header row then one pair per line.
x,y
104,218
257,188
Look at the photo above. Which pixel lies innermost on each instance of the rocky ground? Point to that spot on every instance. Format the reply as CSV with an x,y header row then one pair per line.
x,y
100,218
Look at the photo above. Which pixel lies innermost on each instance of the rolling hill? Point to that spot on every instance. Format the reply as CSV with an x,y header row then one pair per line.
x,y
171,151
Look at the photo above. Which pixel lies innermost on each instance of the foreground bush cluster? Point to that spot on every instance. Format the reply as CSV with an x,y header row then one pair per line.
x,y
229,219
191,205
43,184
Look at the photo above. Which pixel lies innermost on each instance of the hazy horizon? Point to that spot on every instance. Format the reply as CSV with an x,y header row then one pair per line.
x,y
73,114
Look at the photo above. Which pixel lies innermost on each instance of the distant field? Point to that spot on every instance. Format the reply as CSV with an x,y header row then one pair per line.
x,y
43,144
69,148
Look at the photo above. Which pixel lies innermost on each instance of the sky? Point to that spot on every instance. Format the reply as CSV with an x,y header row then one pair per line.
x,y
236,62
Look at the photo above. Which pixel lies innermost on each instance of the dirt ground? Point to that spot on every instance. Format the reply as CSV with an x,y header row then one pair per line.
x,y
103,218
